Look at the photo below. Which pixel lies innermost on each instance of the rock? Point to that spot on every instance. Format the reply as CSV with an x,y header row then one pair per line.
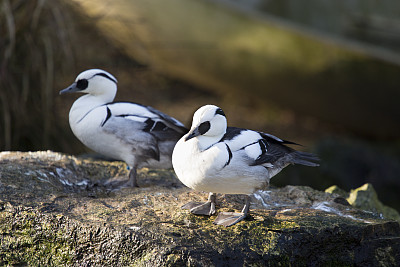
x,y
365,198
334,189
56,210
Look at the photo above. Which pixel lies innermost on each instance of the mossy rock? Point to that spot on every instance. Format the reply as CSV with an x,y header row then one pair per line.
x,y
366,198
334,189
61,220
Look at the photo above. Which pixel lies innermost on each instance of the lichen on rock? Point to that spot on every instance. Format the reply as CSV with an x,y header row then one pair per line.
x,y
365,198
57,209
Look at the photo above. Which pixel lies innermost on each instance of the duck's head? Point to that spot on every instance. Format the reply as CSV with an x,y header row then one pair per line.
x,y
208,121
95,82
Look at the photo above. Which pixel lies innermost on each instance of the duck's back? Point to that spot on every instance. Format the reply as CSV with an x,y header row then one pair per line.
x,y
129,132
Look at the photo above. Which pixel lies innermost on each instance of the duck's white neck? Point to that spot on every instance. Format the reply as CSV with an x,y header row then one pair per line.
x,y
88,102
205,142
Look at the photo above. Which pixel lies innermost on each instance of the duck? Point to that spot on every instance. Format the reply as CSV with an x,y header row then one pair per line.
x,y
139,135
215,158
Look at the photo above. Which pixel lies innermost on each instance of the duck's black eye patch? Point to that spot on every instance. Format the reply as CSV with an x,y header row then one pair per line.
x,y
220,112
204,127
82,84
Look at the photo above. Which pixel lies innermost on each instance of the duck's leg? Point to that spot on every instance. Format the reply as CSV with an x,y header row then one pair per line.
x,y
200,208
120,182
230,218
132,182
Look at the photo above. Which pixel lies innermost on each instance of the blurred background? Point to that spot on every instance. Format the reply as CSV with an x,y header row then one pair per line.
x,y
325,74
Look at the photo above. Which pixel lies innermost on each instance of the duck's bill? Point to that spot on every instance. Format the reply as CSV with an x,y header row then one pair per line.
x,y
70,89
192,133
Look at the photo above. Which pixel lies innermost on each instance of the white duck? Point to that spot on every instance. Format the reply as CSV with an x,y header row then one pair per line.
x,y
215,158
139,135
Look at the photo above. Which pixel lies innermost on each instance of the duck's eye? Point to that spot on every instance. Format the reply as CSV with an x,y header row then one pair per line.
x,y
204,127
82,84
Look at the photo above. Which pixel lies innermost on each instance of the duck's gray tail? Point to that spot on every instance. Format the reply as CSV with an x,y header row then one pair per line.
x,y
305,158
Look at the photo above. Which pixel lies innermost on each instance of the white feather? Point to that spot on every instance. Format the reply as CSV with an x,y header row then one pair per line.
x,y
246,137
239,162
253,151
116,129
208,169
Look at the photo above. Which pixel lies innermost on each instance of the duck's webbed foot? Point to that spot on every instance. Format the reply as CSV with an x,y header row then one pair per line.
x,y
200,208
230,218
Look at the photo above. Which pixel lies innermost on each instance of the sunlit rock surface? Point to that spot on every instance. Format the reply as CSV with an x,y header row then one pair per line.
x,y
365,198
56,210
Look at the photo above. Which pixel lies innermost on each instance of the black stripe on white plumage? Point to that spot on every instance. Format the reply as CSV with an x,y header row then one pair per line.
x,y
215,158
139,135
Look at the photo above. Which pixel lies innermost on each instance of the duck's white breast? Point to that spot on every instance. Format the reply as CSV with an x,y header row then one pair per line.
x,y
87,127
208,170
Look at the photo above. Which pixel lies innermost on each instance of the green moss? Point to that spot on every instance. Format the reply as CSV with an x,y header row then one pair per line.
x,y
174,260
365,198
146,226
32,242
334,189
260,235
148,256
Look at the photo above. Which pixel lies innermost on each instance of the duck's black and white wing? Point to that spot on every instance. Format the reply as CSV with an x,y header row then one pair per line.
x,y
141,127
164,126
265,149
